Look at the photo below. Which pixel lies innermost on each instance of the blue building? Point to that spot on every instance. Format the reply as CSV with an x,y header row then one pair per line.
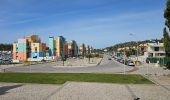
x,y
51,47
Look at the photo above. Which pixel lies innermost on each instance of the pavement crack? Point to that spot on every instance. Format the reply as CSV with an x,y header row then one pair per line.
x,y
57,90
157,83
132,93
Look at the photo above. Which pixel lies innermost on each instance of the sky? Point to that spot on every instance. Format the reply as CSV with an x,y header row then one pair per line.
x,y
99,23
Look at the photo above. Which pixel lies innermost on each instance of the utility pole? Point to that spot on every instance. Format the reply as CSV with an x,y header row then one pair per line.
x,y
137,50
124,60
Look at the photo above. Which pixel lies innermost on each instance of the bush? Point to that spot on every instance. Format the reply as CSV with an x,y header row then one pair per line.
x,y
162,61
168,65
137,63
27,63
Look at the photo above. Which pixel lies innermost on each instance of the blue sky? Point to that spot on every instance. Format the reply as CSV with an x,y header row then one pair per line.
x,y
99,23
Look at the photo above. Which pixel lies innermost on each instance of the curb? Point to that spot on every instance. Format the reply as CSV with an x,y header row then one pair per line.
x,y
57,90
99,62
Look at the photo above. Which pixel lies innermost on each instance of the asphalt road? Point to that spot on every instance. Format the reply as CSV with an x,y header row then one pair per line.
x,y
106,66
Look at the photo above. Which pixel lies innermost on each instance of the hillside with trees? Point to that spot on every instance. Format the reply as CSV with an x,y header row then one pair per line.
x,y
131,44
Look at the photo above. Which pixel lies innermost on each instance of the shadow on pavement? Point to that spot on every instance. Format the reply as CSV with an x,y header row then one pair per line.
x,y
4,89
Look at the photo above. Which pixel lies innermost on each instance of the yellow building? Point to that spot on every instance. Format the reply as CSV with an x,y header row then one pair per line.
x,y
60,46
33,39
38,50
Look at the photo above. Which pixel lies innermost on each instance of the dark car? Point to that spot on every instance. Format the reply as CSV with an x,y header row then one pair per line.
x,y
109,59
122,61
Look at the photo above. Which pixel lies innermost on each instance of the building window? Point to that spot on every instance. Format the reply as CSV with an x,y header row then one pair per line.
x,y
156,48
35,49
162,54
150,54
16,48
156,54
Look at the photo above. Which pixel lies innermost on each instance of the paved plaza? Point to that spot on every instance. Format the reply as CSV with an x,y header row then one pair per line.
x,y
82,91
15,91
89,91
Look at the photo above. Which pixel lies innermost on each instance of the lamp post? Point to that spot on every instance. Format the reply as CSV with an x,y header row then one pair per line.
x,y
137,51
124,61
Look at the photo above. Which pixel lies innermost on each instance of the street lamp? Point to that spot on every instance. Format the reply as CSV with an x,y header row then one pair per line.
x,y
124,60
137,51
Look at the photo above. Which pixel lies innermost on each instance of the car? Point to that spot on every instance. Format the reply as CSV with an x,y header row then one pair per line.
x,y
119,59
59,59
74,57
43,60
126,62
109,59
122,61
80,57
130,63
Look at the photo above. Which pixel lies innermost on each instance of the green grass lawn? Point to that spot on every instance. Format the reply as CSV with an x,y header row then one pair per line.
x,y
60,78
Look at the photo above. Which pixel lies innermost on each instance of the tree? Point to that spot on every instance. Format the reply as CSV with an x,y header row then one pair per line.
x,y
5,47
165,32
89,56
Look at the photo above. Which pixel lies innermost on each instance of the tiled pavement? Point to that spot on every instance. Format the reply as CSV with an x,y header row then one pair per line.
x,y
82,91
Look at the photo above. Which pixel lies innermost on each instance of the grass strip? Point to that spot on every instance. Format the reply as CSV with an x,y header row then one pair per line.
x,y
61,78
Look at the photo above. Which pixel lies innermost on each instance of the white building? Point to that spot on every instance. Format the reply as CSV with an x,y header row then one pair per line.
x,y
155,50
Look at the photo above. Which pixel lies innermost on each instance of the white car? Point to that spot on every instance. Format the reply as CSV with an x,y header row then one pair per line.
x,y
131,63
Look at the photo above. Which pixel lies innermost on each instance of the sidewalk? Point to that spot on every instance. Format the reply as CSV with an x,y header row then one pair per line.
x,y
2,67
79,62
152,70
82,91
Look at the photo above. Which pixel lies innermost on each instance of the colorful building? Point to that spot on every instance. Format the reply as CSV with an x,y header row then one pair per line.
x,y
66,49
82,50
20,50
38,51
61,46
29,48
88,49
33,39
52,47
72,49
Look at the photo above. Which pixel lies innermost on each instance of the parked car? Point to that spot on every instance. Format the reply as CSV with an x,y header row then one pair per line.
x,y
43,61
109,59
81,57
122,61
126,62
130,63
119,59
74,57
